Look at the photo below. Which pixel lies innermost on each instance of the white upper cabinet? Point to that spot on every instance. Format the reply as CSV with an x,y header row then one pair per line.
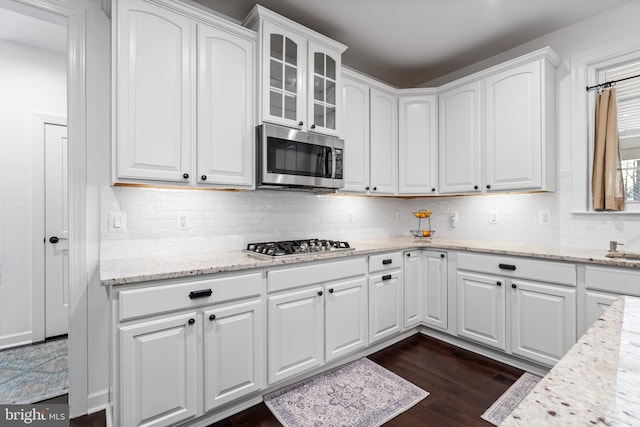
x,y
324,80
460,138
519,140
155,84
355,131
225,108
384,142
497,127
184,97
299,74
418,143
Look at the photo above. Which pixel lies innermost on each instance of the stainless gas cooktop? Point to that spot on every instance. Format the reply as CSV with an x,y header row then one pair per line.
x,y
285,248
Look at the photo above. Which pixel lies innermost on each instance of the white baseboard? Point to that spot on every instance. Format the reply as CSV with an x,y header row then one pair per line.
x,y
14,340
98,401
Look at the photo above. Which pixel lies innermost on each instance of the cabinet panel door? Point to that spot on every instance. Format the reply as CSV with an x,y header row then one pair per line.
x,y
234,356
158,371
324,100
284,68
385,305
296,333
345,317
597,303
481,308
513,139
413,288
435,293
460,139
355,131
543,317
154,86
418,145
225,108
384,143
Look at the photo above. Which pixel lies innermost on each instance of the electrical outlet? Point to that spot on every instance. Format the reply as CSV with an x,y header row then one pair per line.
x,y
493,217
544,217
454,219
349,216
182,221
397,216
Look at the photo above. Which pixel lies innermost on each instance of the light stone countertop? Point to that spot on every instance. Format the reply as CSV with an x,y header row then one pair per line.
x,y
597,382
149,268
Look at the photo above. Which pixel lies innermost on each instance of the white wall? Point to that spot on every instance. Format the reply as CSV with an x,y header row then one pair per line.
x,y
31,81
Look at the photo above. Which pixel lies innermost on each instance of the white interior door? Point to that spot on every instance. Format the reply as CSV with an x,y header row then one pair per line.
x,y
56,231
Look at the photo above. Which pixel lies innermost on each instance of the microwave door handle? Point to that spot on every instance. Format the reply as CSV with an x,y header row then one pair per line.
x,y
330,163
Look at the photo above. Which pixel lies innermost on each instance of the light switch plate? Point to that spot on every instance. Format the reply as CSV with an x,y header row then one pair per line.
x,y
493,217
117,221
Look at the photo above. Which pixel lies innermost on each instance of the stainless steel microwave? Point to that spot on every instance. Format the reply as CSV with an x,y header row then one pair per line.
x,y
289,158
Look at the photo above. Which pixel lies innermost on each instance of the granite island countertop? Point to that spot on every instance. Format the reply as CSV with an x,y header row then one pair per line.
x,y
163,266
597,382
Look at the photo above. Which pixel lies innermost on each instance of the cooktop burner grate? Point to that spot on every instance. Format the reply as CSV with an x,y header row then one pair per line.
x,y
296,247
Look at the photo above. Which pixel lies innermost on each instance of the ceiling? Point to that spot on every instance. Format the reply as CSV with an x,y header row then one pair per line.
x,y
409,42
33,27
402,42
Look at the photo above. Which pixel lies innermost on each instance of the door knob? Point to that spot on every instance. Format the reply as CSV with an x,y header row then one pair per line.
x,y
56,239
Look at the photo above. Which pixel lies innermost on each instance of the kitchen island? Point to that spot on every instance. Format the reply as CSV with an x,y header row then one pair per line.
x,y
597,382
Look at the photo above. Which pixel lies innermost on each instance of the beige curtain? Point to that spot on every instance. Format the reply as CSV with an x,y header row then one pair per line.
x,y
606,181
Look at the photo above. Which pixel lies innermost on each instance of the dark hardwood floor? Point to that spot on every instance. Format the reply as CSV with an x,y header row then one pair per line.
x,y
462,385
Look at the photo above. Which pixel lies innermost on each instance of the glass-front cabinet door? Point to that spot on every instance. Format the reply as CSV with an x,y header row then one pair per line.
x,y
322,102
285,68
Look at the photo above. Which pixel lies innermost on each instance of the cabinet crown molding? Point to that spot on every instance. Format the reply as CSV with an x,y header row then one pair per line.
x,y
546,53
262,13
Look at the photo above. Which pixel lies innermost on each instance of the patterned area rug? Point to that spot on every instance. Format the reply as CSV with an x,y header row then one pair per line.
x,y
506,403
33,373
361,393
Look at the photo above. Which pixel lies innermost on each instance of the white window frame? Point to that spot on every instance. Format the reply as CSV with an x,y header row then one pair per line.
x,y
584,72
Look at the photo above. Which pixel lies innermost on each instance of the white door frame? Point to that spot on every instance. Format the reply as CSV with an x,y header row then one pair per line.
x,y
77,134
38,217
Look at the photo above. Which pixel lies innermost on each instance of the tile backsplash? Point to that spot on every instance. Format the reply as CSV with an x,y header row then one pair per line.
x,y
223,220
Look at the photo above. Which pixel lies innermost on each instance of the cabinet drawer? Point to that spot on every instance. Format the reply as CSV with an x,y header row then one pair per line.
x,y
385,262
147,301
611,279
524,268
289,278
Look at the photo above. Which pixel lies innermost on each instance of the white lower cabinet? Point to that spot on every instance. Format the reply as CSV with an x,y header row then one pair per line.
x,y
520,306
481,308
596,303
159,371
385,305
172,334
543,325
296,332
233,343
316,313
425,289
604,285
346,322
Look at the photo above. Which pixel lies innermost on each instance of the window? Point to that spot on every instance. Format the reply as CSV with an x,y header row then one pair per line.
x,y
628,98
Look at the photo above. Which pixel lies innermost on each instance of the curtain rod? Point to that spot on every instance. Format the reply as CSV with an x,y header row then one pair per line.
x,y
609,84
